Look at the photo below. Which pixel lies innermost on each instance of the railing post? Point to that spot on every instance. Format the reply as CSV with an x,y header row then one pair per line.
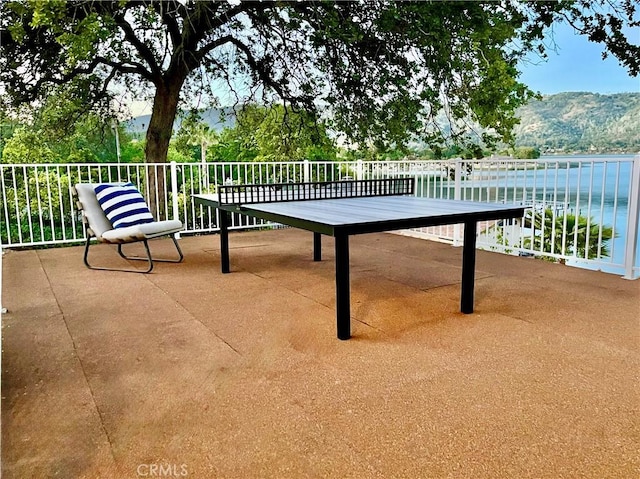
x,y
359,170
457,195
174,194
204,171
2,309
631,243
306,171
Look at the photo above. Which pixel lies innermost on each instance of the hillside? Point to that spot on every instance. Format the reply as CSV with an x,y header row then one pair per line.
x,y
217,119
581,122
562,123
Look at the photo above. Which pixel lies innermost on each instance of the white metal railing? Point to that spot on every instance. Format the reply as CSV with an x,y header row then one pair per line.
x,y
574,203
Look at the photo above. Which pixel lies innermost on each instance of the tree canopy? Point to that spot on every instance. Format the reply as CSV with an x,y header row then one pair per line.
x,y
380,71
261,134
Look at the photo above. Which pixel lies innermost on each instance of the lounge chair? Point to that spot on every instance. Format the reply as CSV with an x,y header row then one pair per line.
x,y
116,213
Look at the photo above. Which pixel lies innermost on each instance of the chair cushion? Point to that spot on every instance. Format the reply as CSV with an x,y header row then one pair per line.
x,y
123,204
91,209
142,231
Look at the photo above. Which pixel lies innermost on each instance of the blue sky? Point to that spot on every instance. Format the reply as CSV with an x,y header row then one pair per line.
x,y
578,66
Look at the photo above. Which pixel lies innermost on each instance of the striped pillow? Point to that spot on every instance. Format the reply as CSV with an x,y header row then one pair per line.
x,y
123,204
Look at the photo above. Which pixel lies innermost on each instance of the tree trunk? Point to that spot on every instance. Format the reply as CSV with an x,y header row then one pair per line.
x,y
163,114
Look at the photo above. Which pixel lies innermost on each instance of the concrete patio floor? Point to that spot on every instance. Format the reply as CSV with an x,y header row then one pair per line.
x,y
186,372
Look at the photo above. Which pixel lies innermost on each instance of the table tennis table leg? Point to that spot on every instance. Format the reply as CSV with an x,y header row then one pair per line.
x,y
343,293
317,247
224,240
468,267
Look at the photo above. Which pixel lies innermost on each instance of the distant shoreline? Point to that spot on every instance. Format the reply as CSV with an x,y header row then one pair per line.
x,y
589,154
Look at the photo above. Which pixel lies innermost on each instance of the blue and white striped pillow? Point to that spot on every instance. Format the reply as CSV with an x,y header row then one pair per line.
x,y
123,204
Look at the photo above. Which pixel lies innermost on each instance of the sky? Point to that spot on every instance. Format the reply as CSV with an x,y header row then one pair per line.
x,y
578,66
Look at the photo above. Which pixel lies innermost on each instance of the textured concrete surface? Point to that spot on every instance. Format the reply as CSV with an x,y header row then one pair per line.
x,y
190,373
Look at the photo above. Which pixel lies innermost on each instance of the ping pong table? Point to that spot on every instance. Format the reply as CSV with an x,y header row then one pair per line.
x,y
350,207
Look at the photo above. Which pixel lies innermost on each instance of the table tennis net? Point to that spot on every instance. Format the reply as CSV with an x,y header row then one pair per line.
x,y
278,192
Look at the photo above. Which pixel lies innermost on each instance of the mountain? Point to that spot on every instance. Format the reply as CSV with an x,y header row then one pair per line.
x,y
561,123
216,118
581,123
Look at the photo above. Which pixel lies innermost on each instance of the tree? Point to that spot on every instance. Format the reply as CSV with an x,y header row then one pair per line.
x,y
382,69
45,139
279,134
194,132
583,237
274,134
526,152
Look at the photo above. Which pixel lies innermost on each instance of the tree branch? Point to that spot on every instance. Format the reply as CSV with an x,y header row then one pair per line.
x,y
134,67
144,51
258,66
212,45
169,20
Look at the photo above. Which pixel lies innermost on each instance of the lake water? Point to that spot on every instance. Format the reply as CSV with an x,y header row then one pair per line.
x,y
594,186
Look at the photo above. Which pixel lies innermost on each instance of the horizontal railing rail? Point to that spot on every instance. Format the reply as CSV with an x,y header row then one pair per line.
x,y
581,210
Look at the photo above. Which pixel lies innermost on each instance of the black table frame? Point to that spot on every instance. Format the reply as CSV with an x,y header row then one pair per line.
x,y
341,234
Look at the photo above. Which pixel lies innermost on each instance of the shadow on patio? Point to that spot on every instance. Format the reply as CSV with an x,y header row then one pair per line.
x,y
191,373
